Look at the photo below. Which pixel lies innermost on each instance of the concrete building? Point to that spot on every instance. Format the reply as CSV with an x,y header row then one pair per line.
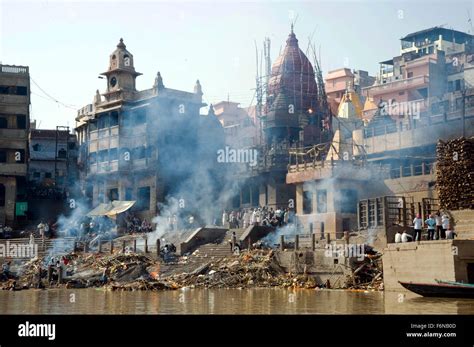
x,y
53,159
239,128
141,145
14,126
337,82
428,66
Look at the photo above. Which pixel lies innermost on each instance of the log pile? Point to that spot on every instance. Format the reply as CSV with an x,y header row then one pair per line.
x,y
256,268
455,173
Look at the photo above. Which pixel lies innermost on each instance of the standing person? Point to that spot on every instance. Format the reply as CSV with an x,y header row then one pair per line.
x,y
253,217
245,219
444,225
417,226
175,222
431,223
439,225
32,239
258,217
225,218
285,216
40,228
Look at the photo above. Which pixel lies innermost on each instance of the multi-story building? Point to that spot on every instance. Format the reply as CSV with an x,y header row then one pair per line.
x,y
239,128
14,126
389,161
427,68
144,145
53,159
338,81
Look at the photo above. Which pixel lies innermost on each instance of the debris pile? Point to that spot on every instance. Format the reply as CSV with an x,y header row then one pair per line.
x,y
455,173
255,268
367,274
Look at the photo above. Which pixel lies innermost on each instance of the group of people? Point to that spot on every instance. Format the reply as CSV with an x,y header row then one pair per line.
x,y
134,225
256,216
5,231
438,226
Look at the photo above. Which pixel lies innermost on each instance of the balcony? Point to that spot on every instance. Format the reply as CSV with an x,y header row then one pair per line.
x,y
398,85
13,169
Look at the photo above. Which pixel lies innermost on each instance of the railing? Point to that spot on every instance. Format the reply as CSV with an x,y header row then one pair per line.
x,y
401,83
14,69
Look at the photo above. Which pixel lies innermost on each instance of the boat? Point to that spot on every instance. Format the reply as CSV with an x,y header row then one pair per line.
x,y
443,289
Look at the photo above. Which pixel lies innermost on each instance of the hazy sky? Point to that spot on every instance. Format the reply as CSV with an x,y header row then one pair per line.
x,y
67,44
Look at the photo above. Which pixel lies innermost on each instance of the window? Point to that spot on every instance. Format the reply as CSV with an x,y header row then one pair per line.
x,y
139,152
3,156
457,85
114,120
113,194
21,91
2,195
3,123
128,194
321,197
410,75
347,201
36,147
140,116
103,121
71,145
307,202
48,175
62,153
93,126
13,90
143,198
21,121
103,155
113,154
93,158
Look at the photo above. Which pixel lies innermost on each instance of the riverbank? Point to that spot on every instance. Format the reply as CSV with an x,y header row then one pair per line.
x,y
258,268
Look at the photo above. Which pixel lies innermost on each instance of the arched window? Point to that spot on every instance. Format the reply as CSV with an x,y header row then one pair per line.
x,y
2,195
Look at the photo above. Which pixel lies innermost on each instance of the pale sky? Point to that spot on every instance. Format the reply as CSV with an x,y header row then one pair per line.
x,y
67,44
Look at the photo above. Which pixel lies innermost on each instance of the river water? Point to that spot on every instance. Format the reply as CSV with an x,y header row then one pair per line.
x,y
226,301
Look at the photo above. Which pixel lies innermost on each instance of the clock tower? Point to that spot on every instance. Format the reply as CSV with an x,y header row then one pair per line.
x,y
121,74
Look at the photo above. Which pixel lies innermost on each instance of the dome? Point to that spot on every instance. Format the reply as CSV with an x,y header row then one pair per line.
x,y
293,74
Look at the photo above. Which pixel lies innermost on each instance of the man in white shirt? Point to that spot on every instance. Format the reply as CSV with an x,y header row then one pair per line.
x,y
439,232
398,237
444,224
417,226
406,237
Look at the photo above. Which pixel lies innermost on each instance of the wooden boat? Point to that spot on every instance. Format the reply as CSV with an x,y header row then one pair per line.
x,y
443,289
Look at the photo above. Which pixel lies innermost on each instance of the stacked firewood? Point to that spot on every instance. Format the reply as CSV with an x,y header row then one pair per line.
x,y
455,173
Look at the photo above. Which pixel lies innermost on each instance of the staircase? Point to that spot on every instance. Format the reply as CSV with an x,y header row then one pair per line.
x,y
221,250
